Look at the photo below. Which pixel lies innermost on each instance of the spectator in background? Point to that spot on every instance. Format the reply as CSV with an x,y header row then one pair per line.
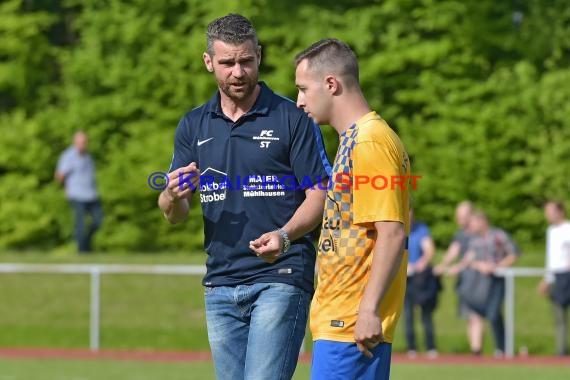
x,y
460,242
422,286
556,283
490,248
76,171
455,253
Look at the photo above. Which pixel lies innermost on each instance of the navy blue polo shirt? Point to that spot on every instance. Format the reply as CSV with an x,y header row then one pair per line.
x,y
254,173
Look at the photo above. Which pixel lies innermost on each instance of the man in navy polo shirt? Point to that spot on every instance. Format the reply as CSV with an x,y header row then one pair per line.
x,y
260,166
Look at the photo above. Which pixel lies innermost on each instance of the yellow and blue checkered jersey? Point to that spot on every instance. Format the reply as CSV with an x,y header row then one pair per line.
x,y
370,184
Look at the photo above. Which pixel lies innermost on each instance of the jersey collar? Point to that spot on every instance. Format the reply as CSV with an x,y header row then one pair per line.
x,y
372,115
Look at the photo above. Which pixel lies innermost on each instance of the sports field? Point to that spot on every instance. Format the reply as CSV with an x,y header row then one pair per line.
x,y
107,369
162,312
165,313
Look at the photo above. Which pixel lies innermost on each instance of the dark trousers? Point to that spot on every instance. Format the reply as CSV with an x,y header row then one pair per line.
x,y
493,312
82,231
561,321
427,322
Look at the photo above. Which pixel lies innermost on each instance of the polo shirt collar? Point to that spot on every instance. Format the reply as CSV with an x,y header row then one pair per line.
x,y
260,107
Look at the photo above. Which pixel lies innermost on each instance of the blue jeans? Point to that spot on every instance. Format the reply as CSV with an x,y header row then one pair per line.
x,y
427,322
82,232
493,313
256,331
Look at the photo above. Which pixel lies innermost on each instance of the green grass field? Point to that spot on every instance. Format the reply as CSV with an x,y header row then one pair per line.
x,y
166,312
20,369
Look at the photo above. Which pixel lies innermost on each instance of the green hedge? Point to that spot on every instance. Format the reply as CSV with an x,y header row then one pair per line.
x,y
479,98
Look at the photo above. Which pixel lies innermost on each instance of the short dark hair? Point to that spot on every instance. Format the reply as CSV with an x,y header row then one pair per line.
x,y
559,205
331,54
232,28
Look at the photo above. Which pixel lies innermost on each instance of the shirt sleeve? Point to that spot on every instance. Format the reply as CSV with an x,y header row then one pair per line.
x,y
510,245
425,232
503,245
376,167
184,153
457,238
64,164
548,277
307,153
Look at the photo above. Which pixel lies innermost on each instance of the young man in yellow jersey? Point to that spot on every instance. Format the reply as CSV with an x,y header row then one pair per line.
x,y
362,253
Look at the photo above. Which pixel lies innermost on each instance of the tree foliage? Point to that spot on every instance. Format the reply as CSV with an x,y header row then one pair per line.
x,y
478,90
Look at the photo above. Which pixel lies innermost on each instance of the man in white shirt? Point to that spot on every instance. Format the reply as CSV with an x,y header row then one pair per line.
x,y
556,283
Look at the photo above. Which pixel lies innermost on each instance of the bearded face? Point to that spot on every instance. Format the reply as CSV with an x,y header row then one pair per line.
x,y
236,68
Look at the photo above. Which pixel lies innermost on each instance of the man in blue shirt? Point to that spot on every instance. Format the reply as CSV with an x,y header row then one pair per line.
x,y
76,171
422,286
258,163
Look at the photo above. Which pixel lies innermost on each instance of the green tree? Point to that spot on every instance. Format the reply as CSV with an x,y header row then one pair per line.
x,y
477,89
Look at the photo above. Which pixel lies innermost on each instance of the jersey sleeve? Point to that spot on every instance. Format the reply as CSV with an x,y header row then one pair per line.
x,y
184,153
378,168
307,153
